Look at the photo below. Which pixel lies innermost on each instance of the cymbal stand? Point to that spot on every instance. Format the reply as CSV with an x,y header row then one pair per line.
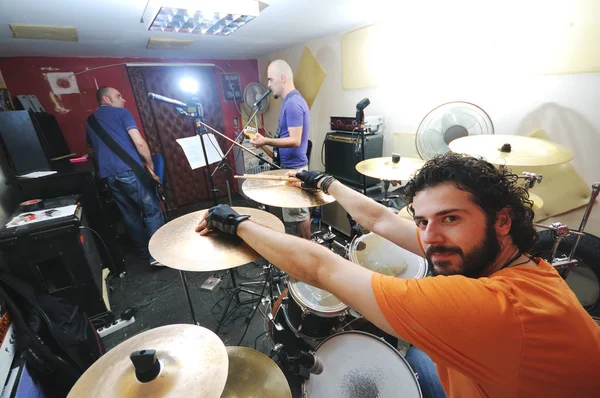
x,y
561,231
386,201
235,293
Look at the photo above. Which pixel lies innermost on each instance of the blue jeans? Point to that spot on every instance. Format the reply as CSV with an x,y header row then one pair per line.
x,y
423,366
139,207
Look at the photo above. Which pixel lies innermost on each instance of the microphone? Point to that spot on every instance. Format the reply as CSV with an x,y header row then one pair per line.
x,y
310,362
167,100
262,97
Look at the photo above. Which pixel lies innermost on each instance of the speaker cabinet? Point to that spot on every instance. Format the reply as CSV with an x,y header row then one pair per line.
x,y
344,150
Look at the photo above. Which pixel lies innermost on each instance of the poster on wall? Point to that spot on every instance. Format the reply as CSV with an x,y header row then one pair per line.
x,y
231,86
63,83
2,84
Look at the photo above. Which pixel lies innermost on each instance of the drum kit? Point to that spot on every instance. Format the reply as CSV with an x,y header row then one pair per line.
x,y
314,335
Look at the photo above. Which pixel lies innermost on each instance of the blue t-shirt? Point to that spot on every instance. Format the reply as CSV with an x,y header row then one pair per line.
x,y
116,122
294,113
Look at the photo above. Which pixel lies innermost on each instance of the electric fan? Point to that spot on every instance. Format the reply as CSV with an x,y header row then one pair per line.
x,y
448,122
252,93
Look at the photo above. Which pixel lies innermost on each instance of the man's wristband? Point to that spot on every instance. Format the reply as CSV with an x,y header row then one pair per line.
x,y
327,181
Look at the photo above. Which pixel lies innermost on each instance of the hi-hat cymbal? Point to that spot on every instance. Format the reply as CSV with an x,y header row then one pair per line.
x,y
253,374
177,245
537,204
282,193
386,169
194,363
524,151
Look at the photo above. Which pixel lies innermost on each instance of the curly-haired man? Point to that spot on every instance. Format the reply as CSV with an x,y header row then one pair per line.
x,y
495,321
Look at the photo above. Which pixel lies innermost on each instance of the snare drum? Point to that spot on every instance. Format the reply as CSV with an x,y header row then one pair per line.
x,y
380,255
358,364
309,312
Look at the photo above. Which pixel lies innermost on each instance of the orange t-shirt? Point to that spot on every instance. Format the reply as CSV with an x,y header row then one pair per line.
x,y
519,333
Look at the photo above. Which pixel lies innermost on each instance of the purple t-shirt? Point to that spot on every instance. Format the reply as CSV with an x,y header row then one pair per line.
x,y
294,113
116,122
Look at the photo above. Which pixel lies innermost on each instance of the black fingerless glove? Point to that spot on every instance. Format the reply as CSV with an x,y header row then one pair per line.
x,y
310,180
224,218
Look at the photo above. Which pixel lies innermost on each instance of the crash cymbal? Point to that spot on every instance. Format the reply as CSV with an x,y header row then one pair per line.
x,y
387,169
194,363
537,204
282,193
253,374
524,151
177,245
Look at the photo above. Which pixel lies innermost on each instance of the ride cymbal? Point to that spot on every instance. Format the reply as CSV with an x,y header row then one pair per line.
x,y
389,169
512,150
177,245
253,374
194,363
282,193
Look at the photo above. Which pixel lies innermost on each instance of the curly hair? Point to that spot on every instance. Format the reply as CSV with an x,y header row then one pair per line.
x,y
491,188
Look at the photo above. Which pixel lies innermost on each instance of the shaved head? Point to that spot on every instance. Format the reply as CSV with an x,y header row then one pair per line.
x,y
280,67
280,78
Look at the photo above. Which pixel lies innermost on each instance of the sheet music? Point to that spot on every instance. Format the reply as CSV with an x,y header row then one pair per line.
x,y
192,147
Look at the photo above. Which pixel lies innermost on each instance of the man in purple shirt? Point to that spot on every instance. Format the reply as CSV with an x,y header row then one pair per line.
x,y
138,205
292,136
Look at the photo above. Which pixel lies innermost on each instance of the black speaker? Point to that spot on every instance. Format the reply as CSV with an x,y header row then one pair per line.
x,y
57,257
344,150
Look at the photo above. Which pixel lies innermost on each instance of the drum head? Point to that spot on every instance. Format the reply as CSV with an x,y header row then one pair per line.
x,y
382,256
357,364
319,301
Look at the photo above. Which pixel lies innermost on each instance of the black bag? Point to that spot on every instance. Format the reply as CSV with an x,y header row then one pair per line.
x,y
57,338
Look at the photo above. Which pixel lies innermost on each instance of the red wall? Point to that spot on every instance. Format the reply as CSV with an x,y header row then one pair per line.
x,y
25,76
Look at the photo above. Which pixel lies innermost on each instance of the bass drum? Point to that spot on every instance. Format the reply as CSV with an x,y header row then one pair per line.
x,y
358,364
380,255
584,279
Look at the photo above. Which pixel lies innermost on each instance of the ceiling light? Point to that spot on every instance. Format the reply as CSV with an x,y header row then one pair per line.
x,y
214,17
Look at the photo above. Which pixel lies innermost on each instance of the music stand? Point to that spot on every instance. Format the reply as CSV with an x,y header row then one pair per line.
x,y
200,128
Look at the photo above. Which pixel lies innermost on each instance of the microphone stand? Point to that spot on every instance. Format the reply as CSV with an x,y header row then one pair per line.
x,y
253,116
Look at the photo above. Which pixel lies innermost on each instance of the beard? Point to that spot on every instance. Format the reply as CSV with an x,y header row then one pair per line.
x,y
473,262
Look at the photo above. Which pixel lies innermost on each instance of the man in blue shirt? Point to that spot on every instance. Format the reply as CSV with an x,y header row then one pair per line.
x,y
138,204
292,137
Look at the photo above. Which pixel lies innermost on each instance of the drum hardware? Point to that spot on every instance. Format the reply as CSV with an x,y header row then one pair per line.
x,y
381,371
531,179
561,231
177,245
512,150
169,369
281,193
378,254
253,374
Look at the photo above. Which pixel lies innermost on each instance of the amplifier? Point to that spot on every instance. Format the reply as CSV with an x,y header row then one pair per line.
x,y
343,123
344,150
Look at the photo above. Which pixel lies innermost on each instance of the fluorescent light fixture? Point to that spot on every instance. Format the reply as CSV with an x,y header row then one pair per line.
x,y
189,85
212,17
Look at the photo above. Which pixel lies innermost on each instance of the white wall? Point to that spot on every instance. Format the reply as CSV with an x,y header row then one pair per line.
x,y
567,107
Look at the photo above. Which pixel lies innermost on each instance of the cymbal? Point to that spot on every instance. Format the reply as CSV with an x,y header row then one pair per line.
x,y
524,151
253,374
177,245
282,193
194,363
537,204
386,169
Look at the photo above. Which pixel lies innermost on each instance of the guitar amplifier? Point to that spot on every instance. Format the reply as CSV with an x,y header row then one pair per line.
x,y
344,150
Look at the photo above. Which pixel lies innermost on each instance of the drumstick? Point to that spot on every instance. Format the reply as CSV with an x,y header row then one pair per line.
x,y
267,177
